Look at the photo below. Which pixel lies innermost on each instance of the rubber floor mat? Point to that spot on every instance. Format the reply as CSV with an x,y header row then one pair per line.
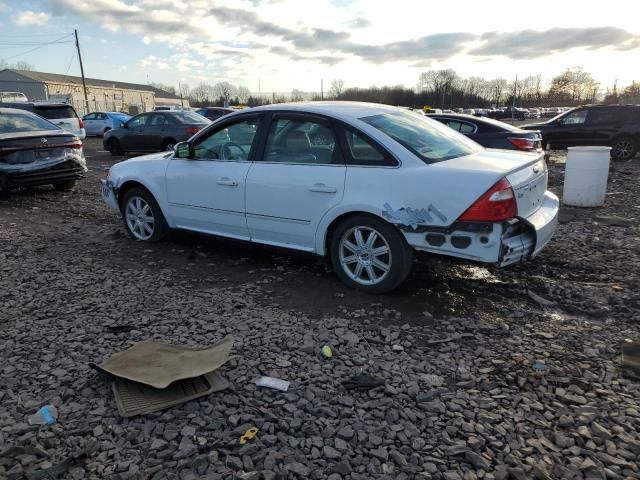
x,y
135,398
160,364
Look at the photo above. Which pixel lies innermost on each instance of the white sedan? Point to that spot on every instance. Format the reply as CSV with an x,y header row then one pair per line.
x,y
362,184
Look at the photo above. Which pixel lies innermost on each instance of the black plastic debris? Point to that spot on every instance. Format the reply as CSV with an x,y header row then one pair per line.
x,y
362,381
630,361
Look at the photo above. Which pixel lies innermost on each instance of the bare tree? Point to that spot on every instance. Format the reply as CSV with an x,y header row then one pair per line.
x,y
336,89
165,87
224,90
573,85
296,95
440,82
497,89
19,65
243,94
203,93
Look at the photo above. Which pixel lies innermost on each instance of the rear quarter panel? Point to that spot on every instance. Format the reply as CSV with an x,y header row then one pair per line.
x,y
435,193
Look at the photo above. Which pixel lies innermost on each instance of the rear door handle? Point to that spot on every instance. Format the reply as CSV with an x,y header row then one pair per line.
x,y
322,188
227,181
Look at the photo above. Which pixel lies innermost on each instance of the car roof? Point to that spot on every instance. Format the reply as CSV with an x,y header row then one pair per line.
x,y
338,109
37,104
14,110
489,122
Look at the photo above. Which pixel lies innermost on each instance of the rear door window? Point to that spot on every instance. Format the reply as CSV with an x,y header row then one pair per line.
x,y
54,112
602,116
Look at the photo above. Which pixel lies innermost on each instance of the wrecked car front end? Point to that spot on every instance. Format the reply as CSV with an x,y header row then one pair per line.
x,y
40,160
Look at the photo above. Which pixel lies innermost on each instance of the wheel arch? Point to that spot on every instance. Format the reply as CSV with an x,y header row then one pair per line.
x,y
333,219
128,185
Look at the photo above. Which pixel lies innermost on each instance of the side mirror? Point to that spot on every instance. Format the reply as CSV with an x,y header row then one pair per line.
x,y
124,125
183,150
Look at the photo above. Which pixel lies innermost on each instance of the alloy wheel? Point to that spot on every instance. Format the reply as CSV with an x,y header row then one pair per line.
x,y
139,217
365,255
622,149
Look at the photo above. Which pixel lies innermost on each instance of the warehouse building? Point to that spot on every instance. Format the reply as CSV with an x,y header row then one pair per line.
x,y
103,95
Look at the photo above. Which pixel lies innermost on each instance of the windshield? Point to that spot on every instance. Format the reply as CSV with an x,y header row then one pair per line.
x,y
429,140
23,122
190,117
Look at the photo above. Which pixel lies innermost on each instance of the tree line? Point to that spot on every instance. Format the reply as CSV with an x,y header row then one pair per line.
x,y
443,88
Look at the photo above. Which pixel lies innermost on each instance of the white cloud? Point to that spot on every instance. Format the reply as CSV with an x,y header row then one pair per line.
x,y
3,7
152,62
29,17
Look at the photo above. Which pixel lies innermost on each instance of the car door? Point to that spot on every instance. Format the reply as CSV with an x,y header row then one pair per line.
x,y
603,124
133,135
570,130
298,176
90,123
206,193
156,131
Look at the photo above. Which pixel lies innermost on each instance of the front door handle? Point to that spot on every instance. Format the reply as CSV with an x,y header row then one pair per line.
x,y
227,181
322,188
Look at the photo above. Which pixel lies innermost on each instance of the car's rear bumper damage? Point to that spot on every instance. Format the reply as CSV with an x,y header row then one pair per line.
x,y
69,166
499,243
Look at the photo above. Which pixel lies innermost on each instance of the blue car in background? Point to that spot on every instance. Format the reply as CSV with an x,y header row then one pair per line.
x,y
98,123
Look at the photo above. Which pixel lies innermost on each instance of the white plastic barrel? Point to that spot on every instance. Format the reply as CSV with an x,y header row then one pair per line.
x,y
585,176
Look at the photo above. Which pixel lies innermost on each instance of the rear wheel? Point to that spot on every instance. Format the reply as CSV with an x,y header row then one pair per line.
x,y
168,144
370,254
64,186
115,148
142,216
623,149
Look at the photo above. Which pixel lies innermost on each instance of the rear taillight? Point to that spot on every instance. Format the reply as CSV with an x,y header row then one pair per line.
x,y
192,130
81,123
523,143
76,144
496,205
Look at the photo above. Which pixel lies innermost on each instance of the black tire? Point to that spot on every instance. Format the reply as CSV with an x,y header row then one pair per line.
x,y
399,261
64,186
623,148
115,148
168,144
160,227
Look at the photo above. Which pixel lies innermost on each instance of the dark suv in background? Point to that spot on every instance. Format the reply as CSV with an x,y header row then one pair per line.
x,y
617,126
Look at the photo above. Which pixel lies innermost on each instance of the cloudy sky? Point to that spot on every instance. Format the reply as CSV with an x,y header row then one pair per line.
x,y
279,45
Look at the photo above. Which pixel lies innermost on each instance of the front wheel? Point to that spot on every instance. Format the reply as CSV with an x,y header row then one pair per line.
x,y
115,148
142,216
370,254
623,149
168,145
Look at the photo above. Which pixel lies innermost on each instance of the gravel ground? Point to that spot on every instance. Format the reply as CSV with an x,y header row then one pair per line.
x,y
456,346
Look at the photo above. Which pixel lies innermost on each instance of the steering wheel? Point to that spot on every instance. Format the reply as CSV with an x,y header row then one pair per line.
x,y
226,150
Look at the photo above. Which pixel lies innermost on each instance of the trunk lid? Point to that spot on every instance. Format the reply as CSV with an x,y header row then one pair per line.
x,y
526,172
28,147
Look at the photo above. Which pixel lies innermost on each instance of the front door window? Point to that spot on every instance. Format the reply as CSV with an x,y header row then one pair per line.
x,y
232,142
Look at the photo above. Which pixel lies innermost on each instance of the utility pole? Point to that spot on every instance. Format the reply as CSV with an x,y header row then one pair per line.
x,y
513,100
322,89
84,84
180,90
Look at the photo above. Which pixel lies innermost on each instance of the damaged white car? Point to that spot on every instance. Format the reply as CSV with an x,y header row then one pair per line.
x,y
362,184
34,151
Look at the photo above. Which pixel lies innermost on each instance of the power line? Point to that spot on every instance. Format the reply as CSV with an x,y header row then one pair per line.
x,y
73,55
36,48
26,44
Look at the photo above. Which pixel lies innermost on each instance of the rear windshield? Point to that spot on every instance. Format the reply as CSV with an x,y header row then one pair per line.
x,y
55,112
429,140
23,122
190,117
